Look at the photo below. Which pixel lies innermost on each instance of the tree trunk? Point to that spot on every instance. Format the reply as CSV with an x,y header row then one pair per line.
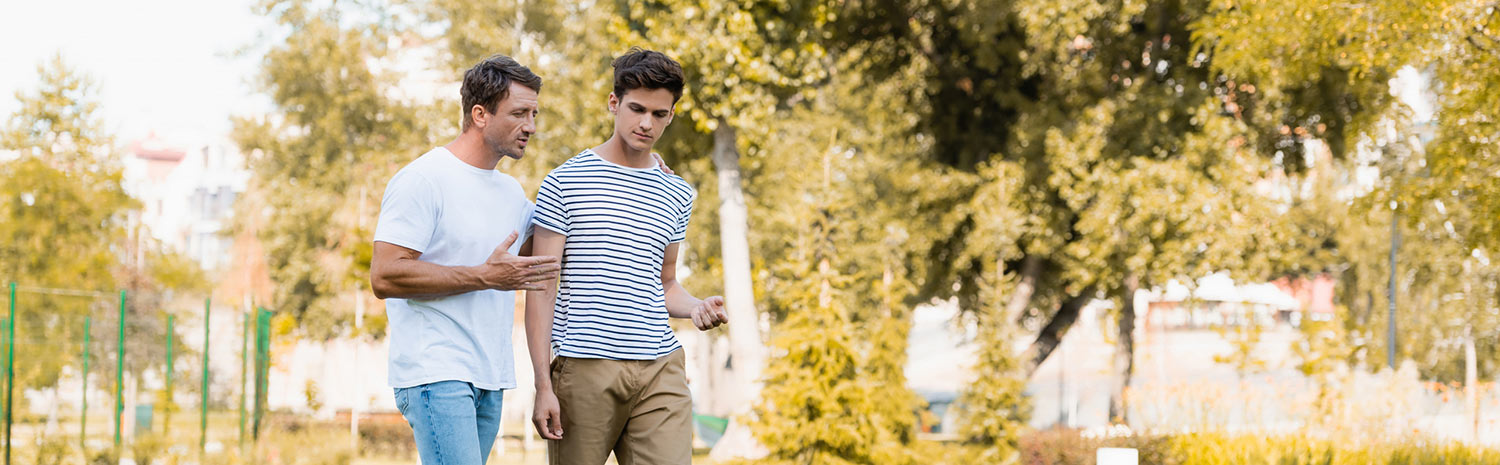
x,y
1031,268
1471,382
1051,335
1124,360
747,358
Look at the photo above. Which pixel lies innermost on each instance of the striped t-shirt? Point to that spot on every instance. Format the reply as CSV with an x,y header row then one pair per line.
x,y
618,222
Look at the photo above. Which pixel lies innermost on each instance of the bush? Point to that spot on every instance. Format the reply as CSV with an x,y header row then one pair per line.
x,y
55,450
1070,447
147,448
388,439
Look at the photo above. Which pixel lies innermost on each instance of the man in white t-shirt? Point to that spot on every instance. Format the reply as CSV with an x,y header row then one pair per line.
x,y
450,250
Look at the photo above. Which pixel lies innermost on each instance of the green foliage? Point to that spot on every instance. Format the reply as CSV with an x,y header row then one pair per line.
x,y
64,224
1065,447
1244,342
321,159
816,400
1438,174
836,362
741,58
995,408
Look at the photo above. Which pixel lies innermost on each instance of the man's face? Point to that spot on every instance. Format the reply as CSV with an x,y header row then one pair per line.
x,y
507,131
641,116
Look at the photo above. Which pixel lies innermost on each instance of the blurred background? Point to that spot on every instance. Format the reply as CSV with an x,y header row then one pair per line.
x,y
956,231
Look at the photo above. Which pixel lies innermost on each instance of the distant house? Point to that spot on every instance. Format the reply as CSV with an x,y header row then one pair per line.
x,y
187,194
1217,301
1176,341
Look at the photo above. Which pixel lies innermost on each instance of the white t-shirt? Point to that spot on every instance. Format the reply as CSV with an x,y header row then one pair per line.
x,y
454,214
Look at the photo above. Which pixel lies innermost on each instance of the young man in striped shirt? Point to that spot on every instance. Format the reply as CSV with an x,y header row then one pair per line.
x,y
609,369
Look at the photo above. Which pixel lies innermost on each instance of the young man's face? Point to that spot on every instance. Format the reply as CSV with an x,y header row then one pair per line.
x,y
641,116
507,131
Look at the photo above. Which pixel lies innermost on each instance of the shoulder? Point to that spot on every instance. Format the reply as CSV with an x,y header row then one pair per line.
x,y
418,174
426,167
584,162
679,186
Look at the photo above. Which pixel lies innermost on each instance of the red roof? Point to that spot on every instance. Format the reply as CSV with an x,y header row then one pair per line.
x,y
1315,295
152,148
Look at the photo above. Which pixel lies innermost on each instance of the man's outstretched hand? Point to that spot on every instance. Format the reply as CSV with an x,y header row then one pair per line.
x,y
505,271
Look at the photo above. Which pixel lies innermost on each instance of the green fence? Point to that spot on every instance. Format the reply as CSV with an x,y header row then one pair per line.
x,y
47,337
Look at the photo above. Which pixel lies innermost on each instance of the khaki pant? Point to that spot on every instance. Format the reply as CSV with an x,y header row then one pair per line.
x,y
640,409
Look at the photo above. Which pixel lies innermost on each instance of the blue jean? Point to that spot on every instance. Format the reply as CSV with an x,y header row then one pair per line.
x,y
453,422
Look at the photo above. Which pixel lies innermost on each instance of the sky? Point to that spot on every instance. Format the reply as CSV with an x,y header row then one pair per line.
x,y
162,66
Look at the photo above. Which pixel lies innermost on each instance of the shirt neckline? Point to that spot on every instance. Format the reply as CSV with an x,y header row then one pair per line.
x,y
448,154
617,165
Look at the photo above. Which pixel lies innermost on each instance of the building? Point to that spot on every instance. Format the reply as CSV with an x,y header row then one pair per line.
x,y
187,194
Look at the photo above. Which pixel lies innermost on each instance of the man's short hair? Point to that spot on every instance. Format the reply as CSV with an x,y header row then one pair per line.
x,y
488,83
648,69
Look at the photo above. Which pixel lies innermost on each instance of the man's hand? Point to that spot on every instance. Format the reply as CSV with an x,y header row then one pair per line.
x,y
709,313
507,272
547,415
662,163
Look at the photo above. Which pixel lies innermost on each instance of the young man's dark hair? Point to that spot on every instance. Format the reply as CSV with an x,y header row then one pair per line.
x,y
650,69
488,82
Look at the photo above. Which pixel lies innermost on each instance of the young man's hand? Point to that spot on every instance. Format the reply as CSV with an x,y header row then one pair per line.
x,y
505,271
709,313
547,415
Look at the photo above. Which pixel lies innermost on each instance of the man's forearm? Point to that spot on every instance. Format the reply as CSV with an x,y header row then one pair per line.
x,y
539,334
416,279
680,303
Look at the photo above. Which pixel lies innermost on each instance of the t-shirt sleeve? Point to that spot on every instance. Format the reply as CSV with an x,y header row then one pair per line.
x,y
408,212
680,233
551,209
526,222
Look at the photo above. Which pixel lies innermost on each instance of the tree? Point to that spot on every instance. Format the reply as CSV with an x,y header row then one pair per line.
x,y
64,215
339,130
839,357
69,236
1134,162
996,409
1433,175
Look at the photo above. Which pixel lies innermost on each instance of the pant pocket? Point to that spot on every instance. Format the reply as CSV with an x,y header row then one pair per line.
x,y
401,399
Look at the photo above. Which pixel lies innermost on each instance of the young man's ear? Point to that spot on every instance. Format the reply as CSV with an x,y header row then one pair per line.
x,y
614,103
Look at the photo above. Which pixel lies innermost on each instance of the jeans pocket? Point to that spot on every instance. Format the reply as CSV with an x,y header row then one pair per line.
x,y
401,399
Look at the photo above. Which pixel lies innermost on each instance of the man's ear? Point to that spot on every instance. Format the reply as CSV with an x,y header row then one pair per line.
x,y
614,102
479,116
